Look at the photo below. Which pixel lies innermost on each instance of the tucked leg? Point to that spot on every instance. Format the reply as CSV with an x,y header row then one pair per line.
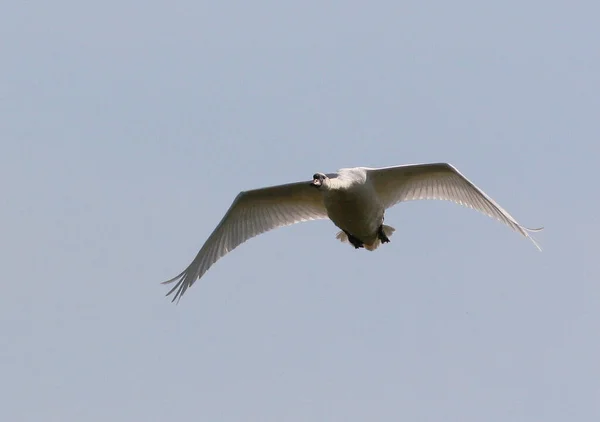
x,y
381,235
354,241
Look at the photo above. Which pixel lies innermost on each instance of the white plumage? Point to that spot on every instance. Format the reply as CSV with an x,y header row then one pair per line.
x,y
355,200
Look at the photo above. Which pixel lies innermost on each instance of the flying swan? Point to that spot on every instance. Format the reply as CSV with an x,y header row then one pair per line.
x,y
354,199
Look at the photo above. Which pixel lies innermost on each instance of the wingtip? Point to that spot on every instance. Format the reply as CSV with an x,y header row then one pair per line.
x,y
537,245
179,288
177,277
178,294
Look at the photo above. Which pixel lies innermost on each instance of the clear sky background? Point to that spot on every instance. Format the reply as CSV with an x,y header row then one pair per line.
x,y
127,128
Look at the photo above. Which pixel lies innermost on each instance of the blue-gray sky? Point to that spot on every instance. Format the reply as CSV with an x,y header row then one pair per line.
x,y
127,128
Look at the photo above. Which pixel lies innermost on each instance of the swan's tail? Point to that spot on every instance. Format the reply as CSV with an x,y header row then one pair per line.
x,y
387,230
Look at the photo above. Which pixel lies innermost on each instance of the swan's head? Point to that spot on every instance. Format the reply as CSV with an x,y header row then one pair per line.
x,y
319,180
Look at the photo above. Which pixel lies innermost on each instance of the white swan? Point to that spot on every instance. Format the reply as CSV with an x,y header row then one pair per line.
x,y
355,200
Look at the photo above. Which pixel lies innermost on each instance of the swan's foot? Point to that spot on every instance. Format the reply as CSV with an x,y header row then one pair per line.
x,y
354,241
381,235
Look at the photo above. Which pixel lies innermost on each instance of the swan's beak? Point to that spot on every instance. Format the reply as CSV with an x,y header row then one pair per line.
x,y
316,183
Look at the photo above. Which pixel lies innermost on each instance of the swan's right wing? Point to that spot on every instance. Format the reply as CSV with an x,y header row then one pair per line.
x,y
252,213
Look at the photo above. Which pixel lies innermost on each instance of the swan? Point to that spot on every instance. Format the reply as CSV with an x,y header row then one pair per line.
x,y
354,199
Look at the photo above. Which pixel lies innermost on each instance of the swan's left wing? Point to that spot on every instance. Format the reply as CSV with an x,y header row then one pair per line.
x,y
438,181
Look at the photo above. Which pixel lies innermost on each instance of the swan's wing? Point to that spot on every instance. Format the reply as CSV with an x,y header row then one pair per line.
x,y
252,213
438,181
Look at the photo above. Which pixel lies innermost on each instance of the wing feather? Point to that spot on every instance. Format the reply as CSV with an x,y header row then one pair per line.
x,y
252,213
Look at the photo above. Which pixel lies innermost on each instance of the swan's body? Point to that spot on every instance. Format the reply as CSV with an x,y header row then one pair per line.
x,y
354,199
353,205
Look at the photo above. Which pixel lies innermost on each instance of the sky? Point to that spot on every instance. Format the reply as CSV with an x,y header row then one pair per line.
x,y
127,128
